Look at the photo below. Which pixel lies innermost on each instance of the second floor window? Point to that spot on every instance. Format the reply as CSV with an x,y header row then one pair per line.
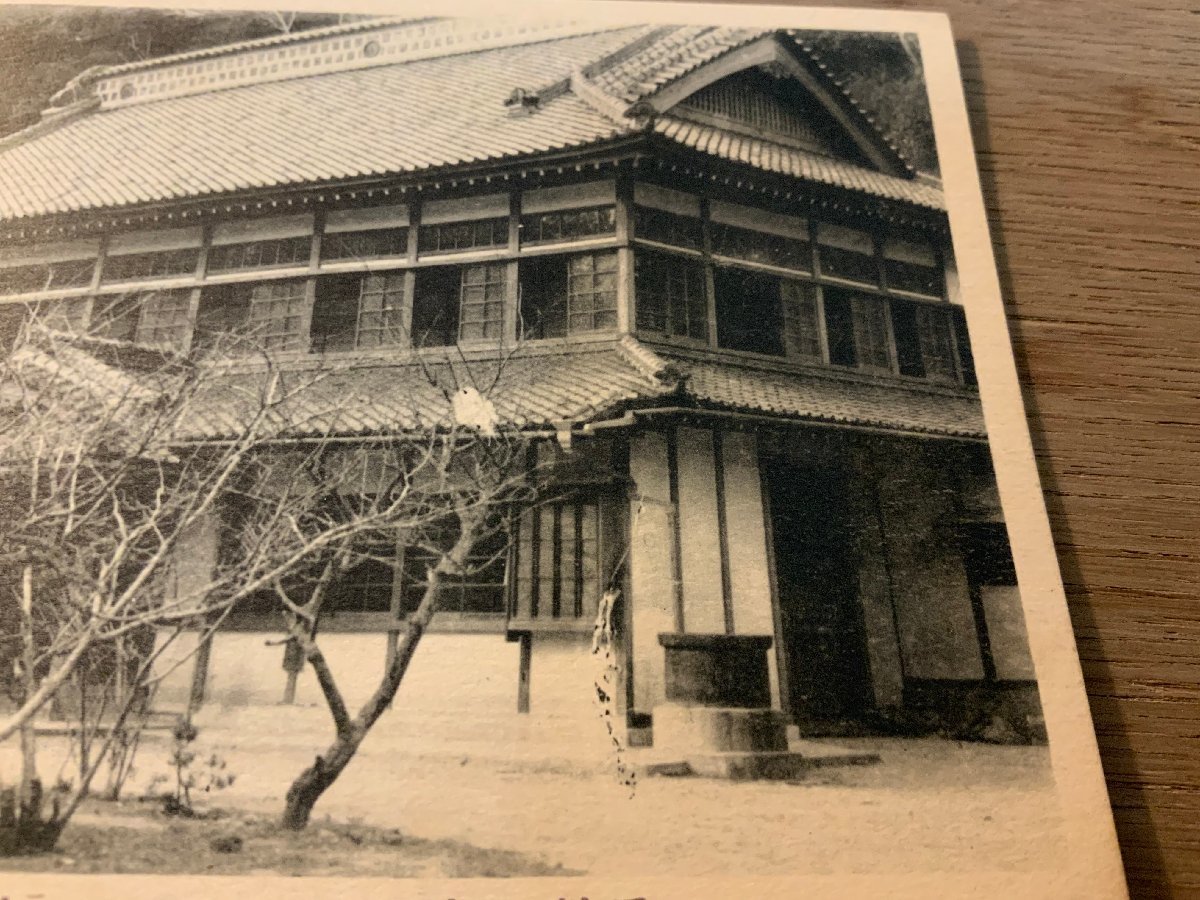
x,y
568,225
269,254
278,315
28,279
358,311
563,295
448,237
355,245
482,294
147,266
671,295
164,320
858,330
450,302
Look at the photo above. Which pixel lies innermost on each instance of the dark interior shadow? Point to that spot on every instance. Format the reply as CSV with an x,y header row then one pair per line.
x,y
1114,738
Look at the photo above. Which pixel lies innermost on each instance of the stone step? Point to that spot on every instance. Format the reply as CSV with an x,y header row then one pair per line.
x,y
772,765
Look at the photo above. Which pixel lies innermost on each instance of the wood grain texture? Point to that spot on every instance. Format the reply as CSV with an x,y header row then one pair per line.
x,y
1086,118
1086,121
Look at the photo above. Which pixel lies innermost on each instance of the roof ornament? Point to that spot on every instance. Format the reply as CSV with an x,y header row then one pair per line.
x,y
522,102
79,88
642,113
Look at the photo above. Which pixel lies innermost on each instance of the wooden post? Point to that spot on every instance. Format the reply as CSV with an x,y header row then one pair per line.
x,y
524,672
293,663
28,686
200,674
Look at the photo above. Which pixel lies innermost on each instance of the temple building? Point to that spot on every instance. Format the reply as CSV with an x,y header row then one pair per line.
x,y
717,288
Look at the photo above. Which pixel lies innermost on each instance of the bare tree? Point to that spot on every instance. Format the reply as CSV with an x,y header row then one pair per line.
x,y
452,493
445,487
116,457
113,458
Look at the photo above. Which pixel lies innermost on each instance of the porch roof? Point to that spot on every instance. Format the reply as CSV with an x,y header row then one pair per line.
x,y
547,388
831,398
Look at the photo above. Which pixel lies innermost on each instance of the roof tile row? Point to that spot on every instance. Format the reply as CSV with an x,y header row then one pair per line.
x,y
392,119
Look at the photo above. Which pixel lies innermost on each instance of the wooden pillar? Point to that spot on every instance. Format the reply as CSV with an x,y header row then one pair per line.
x,y
523,672
200,673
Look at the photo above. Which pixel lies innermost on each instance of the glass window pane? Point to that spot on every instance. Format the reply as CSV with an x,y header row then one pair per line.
x,y
568,225
801,329
374,244
260,254
871,332
762,247
936,342
667,228
848,265
671,295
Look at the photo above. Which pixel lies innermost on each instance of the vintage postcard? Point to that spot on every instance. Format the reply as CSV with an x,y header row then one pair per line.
x,y
572,451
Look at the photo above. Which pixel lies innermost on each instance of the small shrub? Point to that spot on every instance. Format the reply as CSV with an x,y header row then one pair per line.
x,y
192,772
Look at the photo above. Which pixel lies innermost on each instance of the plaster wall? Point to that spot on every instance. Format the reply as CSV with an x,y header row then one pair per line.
x,y
651,555
937,633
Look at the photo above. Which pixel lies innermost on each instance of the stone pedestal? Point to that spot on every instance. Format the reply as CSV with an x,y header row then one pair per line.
x,y
684,731
723,670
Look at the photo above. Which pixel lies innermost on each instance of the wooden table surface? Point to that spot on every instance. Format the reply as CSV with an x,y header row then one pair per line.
x,y
1086,118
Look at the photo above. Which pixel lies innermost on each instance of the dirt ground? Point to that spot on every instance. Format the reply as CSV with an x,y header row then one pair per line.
x,y
473,806
134,837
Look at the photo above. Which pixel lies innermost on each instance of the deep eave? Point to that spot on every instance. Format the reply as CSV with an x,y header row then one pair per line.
x,y
641,152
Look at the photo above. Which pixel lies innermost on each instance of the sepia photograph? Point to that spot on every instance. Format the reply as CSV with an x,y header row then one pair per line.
x,y
494,446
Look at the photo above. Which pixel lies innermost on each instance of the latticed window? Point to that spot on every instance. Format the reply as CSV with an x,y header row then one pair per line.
x,y
164,318
28,279
381,310
801,324
482,296
479,590
64,315
936,341
848,254
366,587
592,292
278,314
871,342
671,295
154,264
568,225
269,254
557,561
858,330
912,267
116,317
665,227
966,358
761,247
374,244
446,237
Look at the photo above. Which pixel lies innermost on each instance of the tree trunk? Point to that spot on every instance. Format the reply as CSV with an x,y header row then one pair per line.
x,y
306,790
25,797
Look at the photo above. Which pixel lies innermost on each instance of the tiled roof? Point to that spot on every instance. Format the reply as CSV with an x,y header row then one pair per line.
x,y
544,390
534,388
772,157
683,50
387,119
822,397
342,125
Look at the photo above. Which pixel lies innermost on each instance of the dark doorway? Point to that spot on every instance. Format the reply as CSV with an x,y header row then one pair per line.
x,y
823,638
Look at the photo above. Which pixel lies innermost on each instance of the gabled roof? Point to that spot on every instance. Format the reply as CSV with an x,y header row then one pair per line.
x,y
386,98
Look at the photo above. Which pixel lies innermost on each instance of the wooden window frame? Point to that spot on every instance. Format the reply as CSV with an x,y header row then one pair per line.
x,y
264,330
494,273
402,309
